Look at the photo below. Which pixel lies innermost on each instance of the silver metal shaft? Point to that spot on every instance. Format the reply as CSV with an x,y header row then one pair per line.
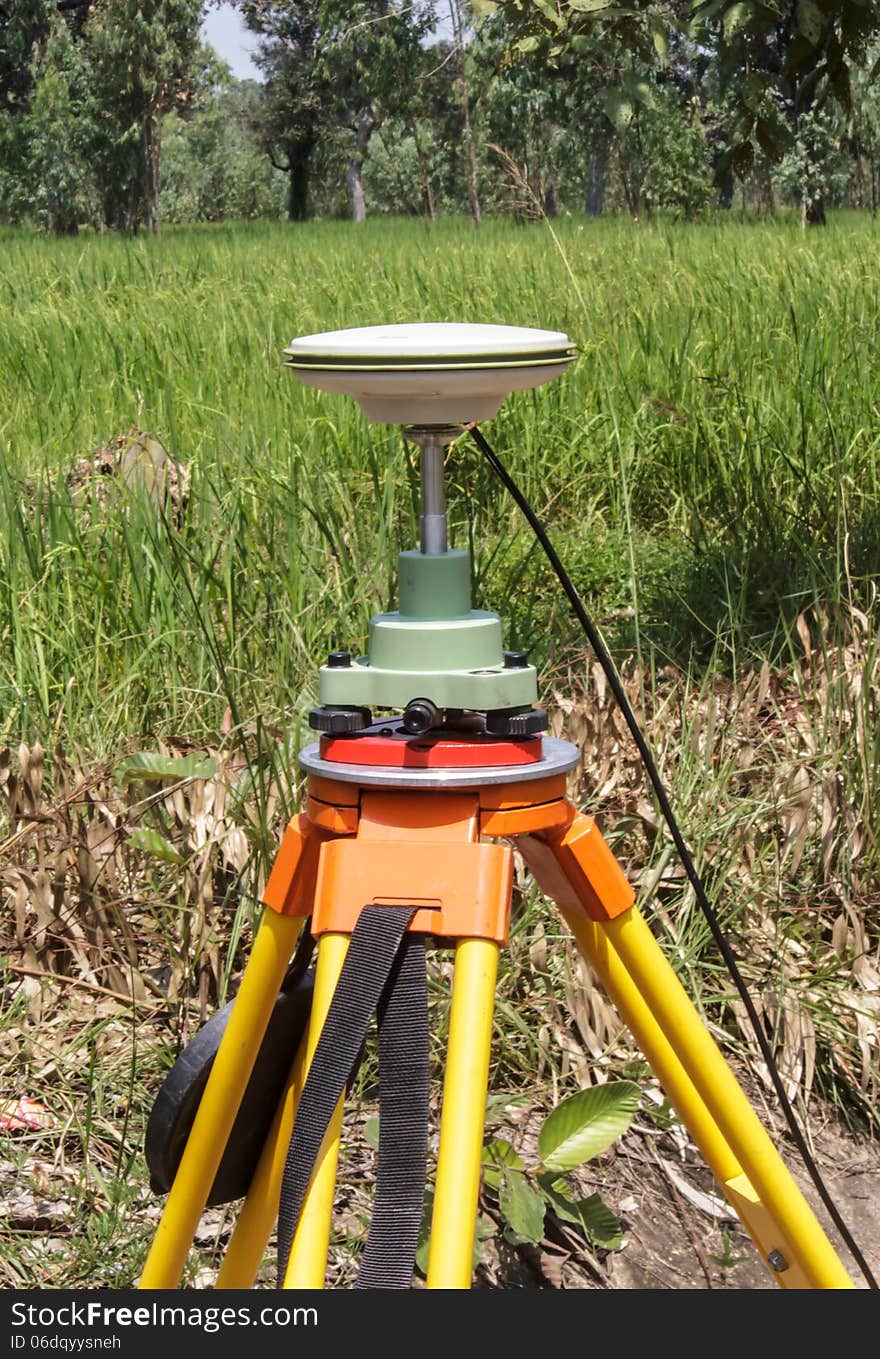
x,y
432,441
432,520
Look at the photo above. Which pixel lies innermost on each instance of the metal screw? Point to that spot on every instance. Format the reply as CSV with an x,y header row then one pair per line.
x,y
777,1261
419,716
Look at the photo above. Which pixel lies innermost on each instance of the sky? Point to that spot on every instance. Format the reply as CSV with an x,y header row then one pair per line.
x,y
224,30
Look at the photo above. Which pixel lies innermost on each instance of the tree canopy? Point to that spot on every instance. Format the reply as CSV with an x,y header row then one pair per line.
x,y
524,106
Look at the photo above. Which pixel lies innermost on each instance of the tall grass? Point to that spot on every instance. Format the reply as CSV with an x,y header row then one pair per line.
x,y
710,462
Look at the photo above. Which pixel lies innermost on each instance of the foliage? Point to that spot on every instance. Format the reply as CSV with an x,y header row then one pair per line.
x,y
85,89
775,60
332,68
142,55
816,169
24,26
529,108
49,141
212,170
783,59
580,1128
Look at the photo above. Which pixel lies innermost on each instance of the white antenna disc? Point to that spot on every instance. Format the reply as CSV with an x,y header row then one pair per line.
x,y
434,373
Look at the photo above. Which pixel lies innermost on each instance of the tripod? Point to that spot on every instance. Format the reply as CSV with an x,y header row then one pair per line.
x,y
357,841
408,810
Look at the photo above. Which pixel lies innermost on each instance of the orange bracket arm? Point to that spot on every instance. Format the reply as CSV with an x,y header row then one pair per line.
x,y
291,886
575,867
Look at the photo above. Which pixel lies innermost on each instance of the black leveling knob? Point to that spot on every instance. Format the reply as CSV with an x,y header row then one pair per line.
x,y
339,720
516,722
419,716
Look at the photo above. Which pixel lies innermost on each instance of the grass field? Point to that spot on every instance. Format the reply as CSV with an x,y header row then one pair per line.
x,y
708,470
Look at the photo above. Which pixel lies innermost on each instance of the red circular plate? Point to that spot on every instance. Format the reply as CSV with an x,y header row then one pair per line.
x,y
417,752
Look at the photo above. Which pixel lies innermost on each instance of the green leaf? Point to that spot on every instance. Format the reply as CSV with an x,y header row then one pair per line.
x,y
499,1152
809,21
483,8
371,1133
599,1223
587,1123
591,1215
589,6
618,109
151,842
799,57
743,159
149,765
527,44
558,1196
773,139
497,1156
754,88
522,1209
737,17
642,92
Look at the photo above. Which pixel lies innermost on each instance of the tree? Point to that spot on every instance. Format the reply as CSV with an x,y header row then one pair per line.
x,y
778,59
142,54
371,63
295,95
211,168
865,130
785,64
459,21
44,112
54,172
332,69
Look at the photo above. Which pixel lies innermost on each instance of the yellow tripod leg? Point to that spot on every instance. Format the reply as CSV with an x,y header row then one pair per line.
x,y
456,1194
772,1207
212,1125
655,1046
307,1264
248,1242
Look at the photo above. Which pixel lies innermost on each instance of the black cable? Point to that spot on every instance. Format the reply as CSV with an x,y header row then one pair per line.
x,y
693,876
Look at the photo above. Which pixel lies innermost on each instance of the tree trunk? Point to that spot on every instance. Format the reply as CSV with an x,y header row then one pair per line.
x,y
549,199
814,212
424,177
630,178
64,222
298,184
355,166
356,191
470,156
155,147
150,173
726,185
596,182
860,194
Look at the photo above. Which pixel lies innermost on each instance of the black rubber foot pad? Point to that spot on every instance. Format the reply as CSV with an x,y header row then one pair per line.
x,y
176,1104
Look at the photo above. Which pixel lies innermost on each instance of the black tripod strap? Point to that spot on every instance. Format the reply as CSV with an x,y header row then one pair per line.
x,y
373,978
402,1013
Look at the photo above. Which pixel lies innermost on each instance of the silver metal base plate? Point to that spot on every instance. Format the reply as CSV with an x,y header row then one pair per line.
x,y
559,758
